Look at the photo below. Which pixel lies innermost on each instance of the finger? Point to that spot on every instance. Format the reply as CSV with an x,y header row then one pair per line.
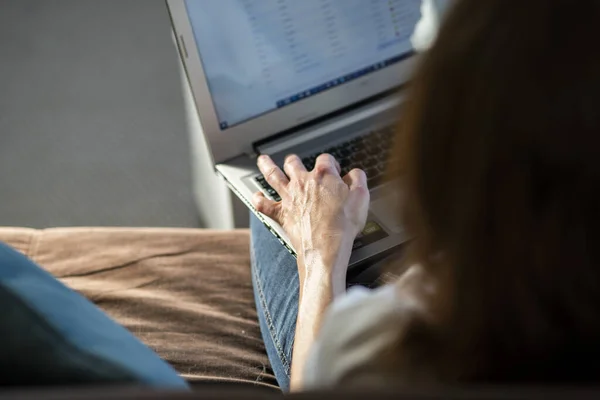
x,y
359,193
337,166
273,174
266,206
293,166
326,164
356,179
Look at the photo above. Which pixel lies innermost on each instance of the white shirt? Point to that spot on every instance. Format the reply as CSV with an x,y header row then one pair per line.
x,y
360,325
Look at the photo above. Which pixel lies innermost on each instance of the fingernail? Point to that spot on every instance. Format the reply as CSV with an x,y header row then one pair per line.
x,y
262,158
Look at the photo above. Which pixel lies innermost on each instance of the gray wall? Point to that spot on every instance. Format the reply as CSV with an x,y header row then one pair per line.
x,y
92,130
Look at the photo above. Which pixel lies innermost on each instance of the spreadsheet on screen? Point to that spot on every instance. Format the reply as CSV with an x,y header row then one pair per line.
x,y
261,55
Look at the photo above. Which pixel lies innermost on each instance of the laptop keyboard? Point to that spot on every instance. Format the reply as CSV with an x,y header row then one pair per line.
x,y
368,152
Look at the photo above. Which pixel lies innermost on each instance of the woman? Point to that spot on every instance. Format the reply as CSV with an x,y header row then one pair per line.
x,y
501,175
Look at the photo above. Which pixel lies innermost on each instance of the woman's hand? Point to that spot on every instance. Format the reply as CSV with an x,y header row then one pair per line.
x,y
321,212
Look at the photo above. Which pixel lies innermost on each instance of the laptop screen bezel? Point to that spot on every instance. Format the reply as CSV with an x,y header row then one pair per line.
x,y
239,139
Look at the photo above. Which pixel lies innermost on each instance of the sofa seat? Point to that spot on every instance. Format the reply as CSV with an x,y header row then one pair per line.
x,y
186,293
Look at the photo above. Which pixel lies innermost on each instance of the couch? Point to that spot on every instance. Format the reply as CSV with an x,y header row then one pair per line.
x,y
187,294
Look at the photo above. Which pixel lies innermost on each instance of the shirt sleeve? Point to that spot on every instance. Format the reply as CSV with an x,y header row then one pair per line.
x,y
356,328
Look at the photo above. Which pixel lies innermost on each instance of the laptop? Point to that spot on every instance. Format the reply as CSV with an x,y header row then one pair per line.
x,y
306,77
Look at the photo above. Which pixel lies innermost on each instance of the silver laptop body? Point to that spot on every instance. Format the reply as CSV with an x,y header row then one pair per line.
x,y
287,76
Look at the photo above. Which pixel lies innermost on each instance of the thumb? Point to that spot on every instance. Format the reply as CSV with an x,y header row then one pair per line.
x,y
270,208
359,193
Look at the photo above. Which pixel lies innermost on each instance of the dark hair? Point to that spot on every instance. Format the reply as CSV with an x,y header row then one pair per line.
x,y
500,163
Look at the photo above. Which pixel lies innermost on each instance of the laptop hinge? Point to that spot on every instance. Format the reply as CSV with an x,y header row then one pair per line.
x,y
324,127
252,152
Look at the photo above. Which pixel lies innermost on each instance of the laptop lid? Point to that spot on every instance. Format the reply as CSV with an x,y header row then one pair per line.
x,y
260,67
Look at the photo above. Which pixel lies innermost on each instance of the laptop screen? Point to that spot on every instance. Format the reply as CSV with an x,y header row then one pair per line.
x,y
262,55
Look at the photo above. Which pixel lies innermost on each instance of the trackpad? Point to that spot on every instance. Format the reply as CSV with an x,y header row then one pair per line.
x,y
386,209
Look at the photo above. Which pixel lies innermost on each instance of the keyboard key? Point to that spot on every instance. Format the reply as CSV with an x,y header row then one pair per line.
x,y
356,149
356,158
372,172
385,148
309,162
385,134
344,153
370,162
268,190
381,158
337,155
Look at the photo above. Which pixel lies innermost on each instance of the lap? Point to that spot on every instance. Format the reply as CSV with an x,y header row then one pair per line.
x,y
276,290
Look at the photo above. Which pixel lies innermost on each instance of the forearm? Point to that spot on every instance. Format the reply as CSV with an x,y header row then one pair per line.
x,y
318,288
321,212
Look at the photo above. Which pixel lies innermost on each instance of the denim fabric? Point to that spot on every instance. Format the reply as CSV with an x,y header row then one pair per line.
x,y
276,291
51,335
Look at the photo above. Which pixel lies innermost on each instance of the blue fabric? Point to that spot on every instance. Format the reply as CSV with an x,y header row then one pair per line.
x,y
276,291
53,335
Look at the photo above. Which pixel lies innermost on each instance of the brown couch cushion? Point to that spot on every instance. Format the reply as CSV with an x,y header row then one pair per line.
x,y
185,293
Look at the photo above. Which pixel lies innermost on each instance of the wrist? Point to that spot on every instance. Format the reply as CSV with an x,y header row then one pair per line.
x,y
328,248
325,268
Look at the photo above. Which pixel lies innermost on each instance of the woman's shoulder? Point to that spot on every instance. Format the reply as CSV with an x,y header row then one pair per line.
x,y
359,326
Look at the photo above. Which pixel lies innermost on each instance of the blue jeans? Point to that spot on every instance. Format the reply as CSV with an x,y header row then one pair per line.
x,y
276,291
